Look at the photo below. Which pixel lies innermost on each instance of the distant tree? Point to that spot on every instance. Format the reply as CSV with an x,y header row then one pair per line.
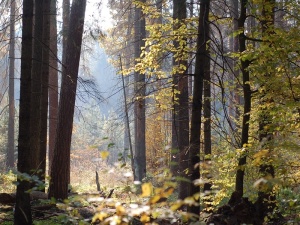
x,y
22,215
60,170
11,92
140,103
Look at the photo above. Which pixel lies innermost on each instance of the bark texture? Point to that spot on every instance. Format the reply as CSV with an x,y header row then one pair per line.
x,y
202,56
60,171
22,215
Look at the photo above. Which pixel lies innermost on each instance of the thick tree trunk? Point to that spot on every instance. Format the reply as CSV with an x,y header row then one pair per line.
x,y
53,83
36,88
181,108
11,92
22,215
202,55
60,171
66,21
140,103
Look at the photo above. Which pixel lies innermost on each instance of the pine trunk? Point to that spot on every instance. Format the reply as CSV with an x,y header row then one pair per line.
x,y
60,171
22,215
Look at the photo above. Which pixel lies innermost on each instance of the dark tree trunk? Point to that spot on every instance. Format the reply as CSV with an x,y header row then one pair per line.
x,y
202,56
36,77
11,92
60,171
139,105
44,88
66,21
22,215
239,183
53,82
181,107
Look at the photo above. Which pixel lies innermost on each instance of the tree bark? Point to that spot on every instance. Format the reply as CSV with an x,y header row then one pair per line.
x,y
202,55
53,83
60,171
181,108
11,92
44,88
139,105
239,183
22,215
36,88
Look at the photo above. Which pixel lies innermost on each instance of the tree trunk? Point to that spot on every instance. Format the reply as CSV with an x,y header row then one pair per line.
x,y
60,171
202,55
266,201
22,215
207,122
239,183
44,88
181,108
11,92
66,21
139,105
36,76
53,83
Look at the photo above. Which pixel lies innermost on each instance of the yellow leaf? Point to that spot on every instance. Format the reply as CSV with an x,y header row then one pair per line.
x,y
99,216
261,153
146,189
145,218
104,154
176,205
120,210
154,199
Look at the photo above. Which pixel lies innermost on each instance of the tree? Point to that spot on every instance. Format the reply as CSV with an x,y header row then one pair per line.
x,y
11,122
53,83
36,87
22,214
180,127
201,68
247,99
140,103
44,87
60,171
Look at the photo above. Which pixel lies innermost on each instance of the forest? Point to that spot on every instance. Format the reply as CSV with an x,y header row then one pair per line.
x,y
207,125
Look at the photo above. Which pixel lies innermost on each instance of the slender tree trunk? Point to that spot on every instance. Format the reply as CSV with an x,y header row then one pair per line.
x,y
11,92
36,76
181,108
127,125
202,55
22,215
53,82
207,122
127,133
44,87
140,103
239,183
